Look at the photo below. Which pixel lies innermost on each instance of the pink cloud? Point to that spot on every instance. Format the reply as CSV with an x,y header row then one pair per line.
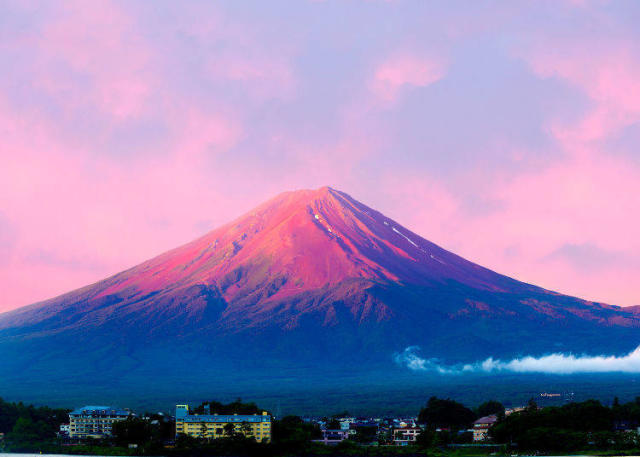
x,y
80,213
263,77
79,219
102,61
127,131
606,71
236,54
405,71
199,135
581,201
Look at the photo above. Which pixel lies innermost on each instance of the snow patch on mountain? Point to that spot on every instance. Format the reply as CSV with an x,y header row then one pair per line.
x,y
404,236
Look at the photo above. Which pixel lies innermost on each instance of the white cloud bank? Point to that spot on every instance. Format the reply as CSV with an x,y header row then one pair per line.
x,y
553,363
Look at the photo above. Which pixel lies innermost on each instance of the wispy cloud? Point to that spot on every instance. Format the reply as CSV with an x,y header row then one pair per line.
x,y
556,363
589,257
414,362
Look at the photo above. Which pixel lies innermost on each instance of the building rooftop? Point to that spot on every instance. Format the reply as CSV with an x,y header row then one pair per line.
x,y
225,418
100,411
486,420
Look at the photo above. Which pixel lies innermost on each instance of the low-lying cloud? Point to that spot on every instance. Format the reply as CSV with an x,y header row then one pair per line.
x,y
556,363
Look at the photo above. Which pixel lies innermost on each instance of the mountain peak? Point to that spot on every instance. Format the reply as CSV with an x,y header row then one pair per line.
x,y
302,197
324,190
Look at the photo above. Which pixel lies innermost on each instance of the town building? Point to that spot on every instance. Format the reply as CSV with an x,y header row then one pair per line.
x,y
481,427
625,426
213,426
345,422
64,430
331,437
406,435
509,411
94,421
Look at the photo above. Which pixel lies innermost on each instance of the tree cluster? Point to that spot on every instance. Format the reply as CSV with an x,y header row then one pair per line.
x,y
153,430
237,407
27,423
446,414
574,426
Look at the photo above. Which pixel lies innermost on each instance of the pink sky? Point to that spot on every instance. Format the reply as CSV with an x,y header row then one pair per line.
x,y
507,132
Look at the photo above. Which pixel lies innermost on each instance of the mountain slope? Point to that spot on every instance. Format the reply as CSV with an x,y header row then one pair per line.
x,y
311,281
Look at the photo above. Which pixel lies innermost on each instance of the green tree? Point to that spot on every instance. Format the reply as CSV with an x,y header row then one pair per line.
x,y
184,441
333,424
27,431
426,438
445,413
556,428
235,407
291,432
229,429
132,430
162,428
490,407
245,427
49,419
366,434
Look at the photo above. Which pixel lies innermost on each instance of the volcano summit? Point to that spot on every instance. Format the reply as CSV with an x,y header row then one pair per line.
x,y
309,285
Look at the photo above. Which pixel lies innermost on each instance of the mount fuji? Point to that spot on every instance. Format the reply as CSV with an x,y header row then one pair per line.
x,y
308,287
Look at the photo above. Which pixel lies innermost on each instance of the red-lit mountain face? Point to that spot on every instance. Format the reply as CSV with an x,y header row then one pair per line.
x,y
307,275
298,242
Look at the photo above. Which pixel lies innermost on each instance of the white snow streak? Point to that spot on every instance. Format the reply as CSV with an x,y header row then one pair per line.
x,y
411,241
436,259
405,237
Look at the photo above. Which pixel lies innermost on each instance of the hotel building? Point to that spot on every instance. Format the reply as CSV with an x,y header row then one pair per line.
x,y
94,421
481,427
213,426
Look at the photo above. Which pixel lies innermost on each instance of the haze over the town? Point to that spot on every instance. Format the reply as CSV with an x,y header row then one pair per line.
x,y
505,133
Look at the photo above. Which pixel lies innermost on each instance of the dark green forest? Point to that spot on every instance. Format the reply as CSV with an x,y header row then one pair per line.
x,y
575,426
21,422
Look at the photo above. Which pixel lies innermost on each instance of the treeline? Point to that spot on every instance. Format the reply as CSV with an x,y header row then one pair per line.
x,y
575,426
447,413
237,407
446,421
587,425
27,423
